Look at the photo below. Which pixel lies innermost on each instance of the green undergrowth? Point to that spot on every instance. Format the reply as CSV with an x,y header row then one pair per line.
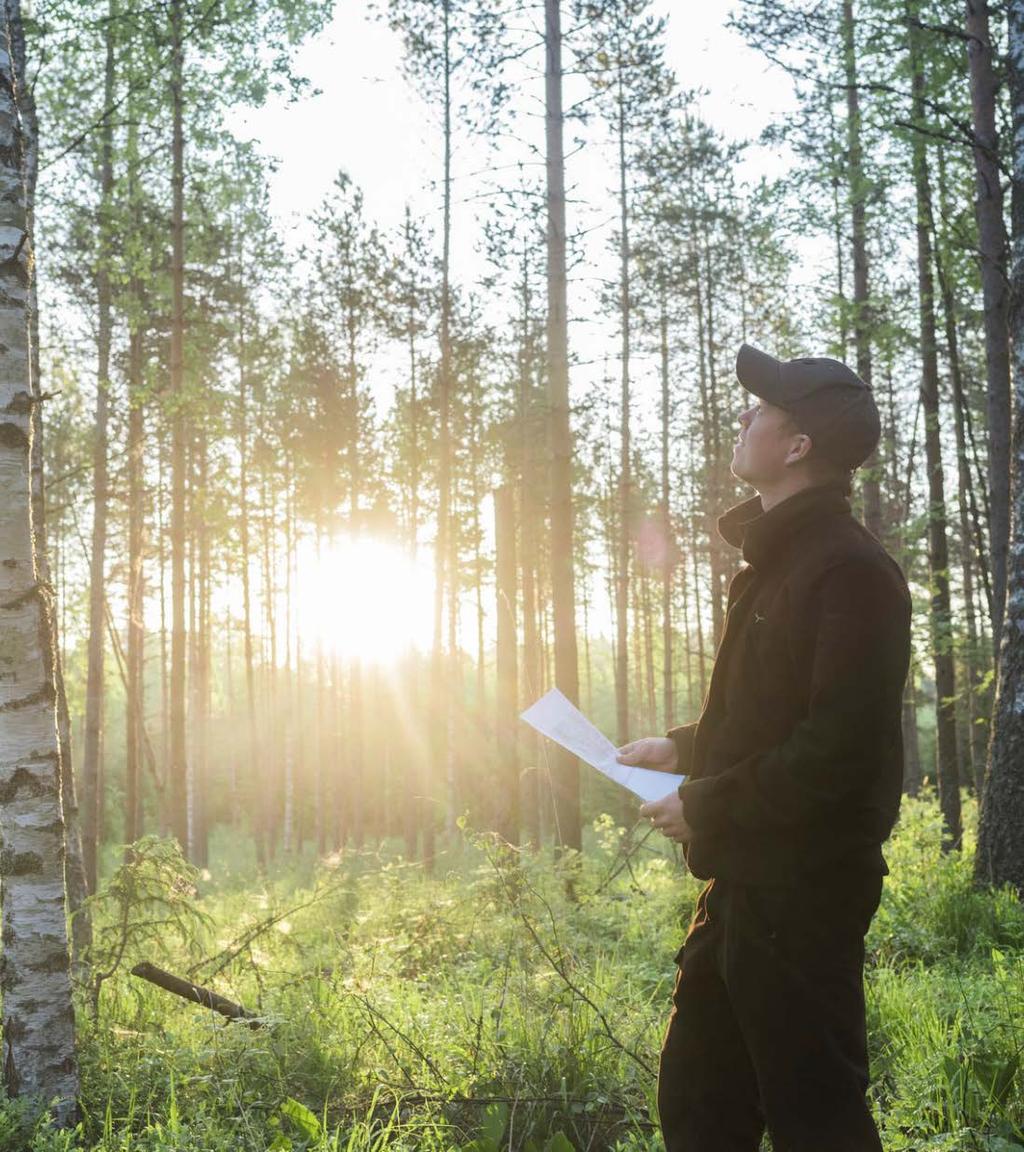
x,y
483,1009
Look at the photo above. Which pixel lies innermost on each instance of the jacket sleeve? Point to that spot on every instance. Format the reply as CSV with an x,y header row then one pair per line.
x,y
860,653
682,737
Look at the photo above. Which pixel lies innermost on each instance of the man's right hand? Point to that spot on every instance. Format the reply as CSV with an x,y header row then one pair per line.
x,y
657,752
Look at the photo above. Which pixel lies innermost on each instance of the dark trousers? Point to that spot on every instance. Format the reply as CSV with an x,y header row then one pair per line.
x,y
767,1024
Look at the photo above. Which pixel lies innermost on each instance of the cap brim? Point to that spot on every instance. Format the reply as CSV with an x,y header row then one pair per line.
x,y
759,373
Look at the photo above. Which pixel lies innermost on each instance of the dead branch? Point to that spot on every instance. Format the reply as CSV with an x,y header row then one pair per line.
x,y
196,993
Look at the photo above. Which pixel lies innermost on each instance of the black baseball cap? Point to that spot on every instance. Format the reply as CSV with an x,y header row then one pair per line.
x,y
826,398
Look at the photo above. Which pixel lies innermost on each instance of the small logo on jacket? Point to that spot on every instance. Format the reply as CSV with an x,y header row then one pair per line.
x,y
758,617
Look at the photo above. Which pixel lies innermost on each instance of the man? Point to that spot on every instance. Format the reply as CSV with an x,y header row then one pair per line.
x,y
794,775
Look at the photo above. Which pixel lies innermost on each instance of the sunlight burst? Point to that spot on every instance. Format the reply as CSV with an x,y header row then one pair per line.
x,y
364,597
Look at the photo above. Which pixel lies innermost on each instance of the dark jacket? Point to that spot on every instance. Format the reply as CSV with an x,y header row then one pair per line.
x,y
795,765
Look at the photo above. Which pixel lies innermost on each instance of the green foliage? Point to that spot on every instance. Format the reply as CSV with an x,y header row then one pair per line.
x,y
482,1011
147,908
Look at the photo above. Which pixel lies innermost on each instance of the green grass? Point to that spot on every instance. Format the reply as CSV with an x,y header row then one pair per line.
x,y
482,1010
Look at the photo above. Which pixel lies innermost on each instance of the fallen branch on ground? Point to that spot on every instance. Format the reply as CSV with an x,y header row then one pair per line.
x,y
196,993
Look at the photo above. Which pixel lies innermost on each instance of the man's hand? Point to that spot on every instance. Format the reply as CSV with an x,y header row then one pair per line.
x,y
657,752
667,815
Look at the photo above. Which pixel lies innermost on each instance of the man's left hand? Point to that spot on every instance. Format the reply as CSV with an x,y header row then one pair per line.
x,y
667,815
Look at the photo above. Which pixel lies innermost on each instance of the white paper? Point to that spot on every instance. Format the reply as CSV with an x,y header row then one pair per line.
x,y
553,715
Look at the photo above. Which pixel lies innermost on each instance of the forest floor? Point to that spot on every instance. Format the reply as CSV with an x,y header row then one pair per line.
x,y
482,1010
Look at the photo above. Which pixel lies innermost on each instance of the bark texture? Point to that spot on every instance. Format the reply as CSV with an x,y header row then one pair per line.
x,y
38,1018
567,774
1000,856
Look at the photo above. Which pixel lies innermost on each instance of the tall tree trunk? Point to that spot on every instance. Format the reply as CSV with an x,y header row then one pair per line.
x,y
988,211
135,696
414,798
975,714
442,667
256,751
718,489
293,725
199,832
271,781
667,538
625,500
163,815
321,758
530,517
938,549
1000,855
38,1015
135,671
178,768
74,862
857,191
566,773
92,772
506,815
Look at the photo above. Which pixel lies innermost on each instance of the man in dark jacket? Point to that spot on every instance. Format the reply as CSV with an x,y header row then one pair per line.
x,y
794,775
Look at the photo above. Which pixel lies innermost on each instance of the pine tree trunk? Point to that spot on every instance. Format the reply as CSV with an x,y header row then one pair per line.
x,y
38,1015
857,192
988,211
566,768
506,815
938,550
667,540
442,669
975,715
270,781
1000,855
625,500
199,833
716,465
414,798
135,696
255,757
91,769
178,796
321,756
292,716
532,667
163,815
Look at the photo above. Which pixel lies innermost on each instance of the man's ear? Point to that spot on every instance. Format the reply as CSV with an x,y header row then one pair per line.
x,y
800,448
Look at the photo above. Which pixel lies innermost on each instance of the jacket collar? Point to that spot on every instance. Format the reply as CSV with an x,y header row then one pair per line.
x,y
761,534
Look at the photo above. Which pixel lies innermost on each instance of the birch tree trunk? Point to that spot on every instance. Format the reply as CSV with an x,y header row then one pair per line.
x,y
74,864
1000,855
38,1016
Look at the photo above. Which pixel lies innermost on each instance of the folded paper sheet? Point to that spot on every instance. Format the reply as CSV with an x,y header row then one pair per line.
x,y
555,716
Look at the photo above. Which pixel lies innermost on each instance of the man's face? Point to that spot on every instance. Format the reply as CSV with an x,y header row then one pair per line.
x,y
767,446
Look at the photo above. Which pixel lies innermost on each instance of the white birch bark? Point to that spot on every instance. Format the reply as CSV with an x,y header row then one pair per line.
x,y
38,1018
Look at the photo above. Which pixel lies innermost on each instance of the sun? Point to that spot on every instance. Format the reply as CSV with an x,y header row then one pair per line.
x,y
364,598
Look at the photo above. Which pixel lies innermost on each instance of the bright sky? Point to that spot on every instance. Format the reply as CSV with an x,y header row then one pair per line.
x,y
368,119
